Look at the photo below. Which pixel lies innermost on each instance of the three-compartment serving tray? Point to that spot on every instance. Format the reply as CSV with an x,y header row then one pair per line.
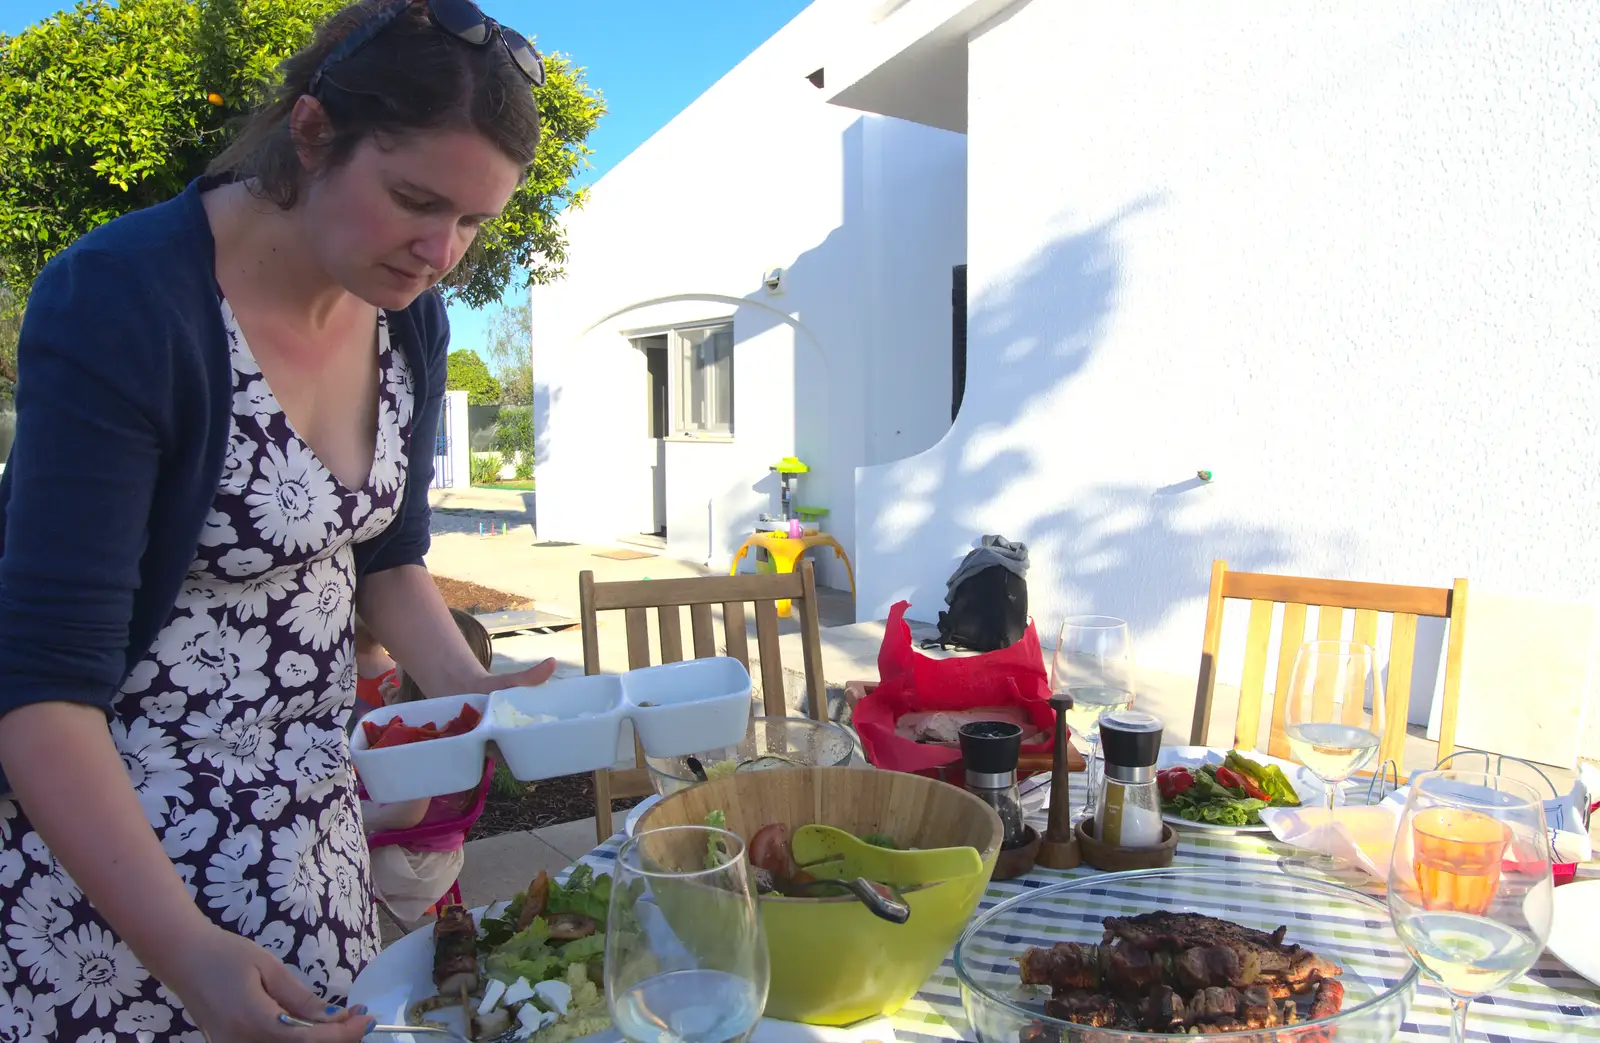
x,y
577,725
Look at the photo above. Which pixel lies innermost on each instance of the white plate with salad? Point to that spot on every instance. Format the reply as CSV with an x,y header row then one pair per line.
x,y
1223,791
545,977
538,978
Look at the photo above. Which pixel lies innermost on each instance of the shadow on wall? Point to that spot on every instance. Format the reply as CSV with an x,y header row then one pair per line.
x,y
1120,548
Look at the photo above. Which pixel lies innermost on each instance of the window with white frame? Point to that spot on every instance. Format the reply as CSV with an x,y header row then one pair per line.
x,y
703,372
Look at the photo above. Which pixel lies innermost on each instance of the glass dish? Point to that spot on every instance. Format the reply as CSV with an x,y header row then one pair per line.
x,y
771,742
1343,925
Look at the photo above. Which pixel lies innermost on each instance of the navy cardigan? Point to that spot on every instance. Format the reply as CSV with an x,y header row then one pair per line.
x,y
124,400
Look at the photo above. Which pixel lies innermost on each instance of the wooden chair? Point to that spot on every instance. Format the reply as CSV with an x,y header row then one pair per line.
x,y
1331,598
668,596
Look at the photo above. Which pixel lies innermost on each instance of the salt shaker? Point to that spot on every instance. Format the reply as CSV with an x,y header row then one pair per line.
x,y
1129,811
990,750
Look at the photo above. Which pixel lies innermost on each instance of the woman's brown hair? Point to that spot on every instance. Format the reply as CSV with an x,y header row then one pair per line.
x,y
410,77
477,639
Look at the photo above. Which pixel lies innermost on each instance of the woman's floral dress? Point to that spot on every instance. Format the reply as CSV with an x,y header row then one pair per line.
x,y
233,732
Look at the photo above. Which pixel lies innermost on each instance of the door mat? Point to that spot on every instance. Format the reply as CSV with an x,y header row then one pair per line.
x,y
623,555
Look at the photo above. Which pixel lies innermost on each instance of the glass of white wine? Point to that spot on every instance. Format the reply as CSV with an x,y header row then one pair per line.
x,y
1333,717
1094,665
1470,891
686,958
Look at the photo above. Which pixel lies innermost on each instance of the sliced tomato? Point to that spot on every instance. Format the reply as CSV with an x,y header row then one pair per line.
x,y
769,850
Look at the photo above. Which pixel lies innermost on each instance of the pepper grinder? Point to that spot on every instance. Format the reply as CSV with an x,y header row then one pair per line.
x,y
989,750
1060,847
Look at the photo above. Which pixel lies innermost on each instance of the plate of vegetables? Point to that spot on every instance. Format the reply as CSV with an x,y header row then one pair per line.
x,y
533,964
1226,790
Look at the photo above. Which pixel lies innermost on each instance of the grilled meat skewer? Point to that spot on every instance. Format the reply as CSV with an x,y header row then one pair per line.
x,y
1118,967
455,951
1179,931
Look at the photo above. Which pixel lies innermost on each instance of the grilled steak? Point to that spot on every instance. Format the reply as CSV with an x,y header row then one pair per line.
x,y
1273,959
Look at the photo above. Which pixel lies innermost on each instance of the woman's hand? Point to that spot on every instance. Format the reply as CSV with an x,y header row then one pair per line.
x,y
537,674
235,990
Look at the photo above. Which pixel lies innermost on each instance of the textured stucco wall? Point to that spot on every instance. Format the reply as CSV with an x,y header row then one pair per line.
x,y
1343,254
849,365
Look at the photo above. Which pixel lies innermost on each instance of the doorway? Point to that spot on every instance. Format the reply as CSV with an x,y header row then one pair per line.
x,y
656,421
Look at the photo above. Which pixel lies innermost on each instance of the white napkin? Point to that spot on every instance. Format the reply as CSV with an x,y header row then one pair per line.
x,y
1363,834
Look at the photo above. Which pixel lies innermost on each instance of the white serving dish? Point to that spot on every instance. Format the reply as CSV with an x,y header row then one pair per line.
x,y
589,712
675,709
681,708
422,769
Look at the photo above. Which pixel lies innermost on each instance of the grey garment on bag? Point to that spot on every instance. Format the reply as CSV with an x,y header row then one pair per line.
x,y
991,550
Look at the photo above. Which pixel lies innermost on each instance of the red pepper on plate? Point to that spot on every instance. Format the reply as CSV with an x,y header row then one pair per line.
x,y
1173,781
1231,779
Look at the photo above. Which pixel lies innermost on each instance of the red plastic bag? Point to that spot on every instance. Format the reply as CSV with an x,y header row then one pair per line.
x,y
909,681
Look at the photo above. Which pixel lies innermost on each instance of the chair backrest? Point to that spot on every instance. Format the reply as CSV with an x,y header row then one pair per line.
x,y
635,598
1331,598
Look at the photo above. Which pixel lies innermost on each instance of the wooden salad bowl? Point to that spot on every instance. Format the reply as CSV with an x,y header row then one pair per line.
x,y
834,962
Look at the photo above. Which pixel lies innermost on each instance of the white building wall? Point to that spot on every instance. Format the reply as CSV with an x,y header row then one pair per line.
x,y
849,364
1342,254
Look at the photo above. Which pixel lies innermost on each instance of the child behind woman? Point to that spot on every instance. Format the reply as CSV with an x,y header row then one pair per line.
x,y
412,877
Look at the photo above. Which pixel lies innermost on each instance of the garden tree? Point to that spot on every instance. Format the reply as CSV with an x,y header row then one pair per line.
x,y
511,350
110,107
10,326
466,372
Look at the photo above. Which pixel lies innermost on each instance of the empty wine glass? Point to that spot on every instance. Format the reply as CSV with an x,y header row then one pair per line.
x,y
1094,665
1470,890
1333,717
686,958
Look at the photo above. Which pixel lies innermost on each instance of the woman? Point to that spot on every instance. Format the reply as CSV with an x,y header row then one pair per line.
x,y
226,418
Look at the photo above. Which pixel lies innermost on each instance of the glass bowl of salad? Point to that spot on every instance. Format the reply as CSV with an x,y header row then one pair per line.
x,y
771,742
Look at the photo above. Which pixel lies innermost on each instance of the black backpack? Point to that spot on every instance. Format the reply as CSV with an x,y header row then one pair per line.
x,y
988,611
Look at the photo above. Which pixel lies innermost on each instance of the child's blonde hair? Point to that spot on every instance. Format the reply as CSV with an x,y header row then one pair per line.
x,y
478,640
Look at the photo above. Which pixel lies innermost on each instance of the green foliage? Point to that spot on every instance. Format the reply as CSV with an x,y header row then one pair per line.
x,y
513,433
525,467
511,350
466,372
107,108
484,469
10,327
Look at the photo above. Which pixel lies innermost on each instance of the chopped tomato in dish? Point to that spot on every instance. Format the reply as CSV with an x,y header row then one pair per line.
x,y
399,733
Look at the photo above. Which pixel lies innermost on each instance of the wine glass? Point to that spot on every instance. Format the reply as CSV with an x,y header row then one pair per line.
x,y
1333,717
1470,889
686,958
1094,665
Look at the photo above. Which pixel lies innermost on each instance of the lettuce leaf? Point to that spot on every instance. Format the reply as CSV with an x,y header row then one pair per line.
x,y
1231,812
583,949
583,893
1273,782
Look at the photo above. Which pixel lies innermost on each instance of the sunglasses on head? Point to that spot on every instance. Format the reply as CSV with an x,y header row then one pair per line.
x,y
462,19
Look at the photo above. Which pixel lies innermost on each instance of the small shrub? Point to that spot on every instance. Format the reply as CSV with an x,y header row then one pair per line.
x,y
485,468
524,468
505,785
514,433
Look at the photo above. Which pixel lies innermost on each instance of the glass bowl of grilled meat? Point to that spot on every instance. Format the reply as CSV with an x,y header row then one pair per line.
x,y
1233,954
